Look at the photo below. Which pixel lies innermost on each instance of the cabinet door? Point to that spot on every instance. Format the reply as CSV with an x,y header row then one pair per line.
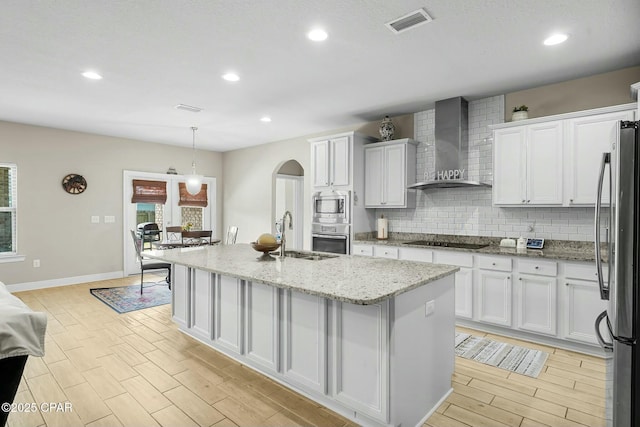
x,y
509,174
494,297
537,303
339,164
464,293
305,335
202,304
228,313
262,332
373,179
320,161
395,173
544,164
360,349
587,138
180,295
582,306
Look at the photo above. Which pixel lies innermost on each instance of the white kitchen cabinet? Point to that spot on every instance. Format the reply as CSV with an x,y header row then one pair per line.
x,y
494,297
464,293
536,296
360,347
202,290
382,251
180,295
229,318
587,138
331,162
365,250
528,165
582,303
389,167
262,328
305,340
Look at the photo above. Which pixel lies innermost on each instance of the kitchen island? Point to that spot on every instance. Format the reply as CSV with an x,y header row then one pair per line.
x,y
370,339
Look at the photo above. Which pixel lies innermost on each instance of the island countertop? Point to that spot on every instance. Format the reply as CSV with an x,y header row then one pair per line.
x,y
346,278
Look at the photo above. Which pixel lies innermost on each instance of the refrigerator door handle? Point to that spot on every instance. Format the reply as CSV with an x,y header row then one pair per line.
x,y
607,346
604,291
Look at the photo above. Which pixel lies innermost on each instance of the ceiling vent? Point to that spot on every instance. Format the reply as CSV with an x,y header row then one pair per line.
x,y
188,108
409,21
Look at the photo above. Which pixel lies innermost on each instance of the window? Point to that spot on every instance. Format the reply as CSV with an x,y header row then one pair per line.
x,y
8,206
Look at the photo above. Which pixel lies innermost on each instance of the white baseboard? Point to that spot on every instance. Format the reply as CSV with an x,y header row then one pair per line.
x,y
29,286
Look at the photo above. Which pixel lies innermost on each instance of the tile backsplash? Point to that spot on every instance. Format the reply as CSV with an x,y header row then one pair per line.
x,y
468,211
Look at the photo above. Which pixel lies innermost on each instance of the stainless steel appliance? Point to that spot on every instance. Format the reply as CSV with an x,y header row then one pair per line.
x,y
331,207
622,316
333,238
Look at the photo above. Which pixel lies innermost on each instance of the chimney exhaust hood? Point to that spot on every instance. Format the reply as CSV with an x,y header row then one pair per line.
x,y
451,147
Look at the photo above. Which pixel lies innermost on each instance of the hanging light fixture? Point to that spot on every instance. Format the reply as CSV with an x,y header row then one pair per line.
x,y
194,181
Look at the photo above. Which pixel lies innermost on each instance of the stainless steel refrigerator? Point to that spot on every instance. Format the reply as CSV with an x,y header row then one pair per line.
x,y
621,242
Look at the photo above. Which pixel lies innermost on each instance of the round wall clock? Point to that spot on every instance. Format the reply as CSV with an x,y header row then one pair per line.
x,y
74,183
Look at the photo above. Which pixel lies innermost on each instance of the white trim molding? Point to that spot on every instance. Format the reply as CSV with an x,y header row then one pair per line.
x,y
64,281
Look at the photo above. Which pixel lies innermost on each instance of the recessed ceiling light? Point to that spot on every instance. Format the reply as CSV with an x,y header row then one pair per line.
x,y
266,119
317,35
231,77
92,75
555,39
186,107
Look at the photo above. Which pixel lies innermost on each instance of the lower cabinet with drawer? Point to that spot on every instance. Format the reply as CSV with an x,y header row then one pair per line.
x,y
556,301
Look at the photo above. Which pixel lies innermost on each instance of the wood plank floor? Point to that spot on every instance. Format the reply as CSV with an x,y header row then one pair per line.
x,y
137,369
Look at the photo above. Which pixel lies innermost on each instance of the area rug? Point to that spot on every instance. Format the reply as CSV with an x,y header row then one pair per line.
x,y
513,358
127,298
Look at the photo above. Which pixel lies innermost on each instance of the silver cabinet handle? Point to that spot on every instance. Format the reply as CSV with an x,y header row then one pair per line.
x,y
537,267
528,201
523,201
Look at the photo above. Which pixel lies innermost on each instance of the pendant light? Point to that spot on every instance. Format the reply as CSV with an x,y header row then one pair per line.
x,y
194,181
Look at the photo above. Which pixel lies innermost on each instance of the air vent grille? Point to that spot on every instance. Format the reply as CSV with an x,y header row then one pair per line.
x,y
188,108
408,21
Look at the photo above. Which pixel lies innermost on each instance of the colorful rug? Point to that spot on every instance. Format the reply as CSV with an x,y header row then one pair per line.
x,y
513,358
127,298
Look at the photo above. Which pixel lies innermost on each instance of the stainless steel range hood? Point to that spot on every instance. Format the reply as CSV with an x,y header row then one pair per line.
x,y
451,148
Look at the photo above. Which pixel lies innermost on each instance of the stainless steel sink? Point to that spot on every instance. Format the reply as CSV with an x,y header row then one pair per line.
x,y
313,256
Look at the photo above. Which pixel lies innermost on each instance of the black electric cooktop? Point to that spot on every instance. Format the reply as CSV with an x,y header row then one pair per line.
x,y
448,244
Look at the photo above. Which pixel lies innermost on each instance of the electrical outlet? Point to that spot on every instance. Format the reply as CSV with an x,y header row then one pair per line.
x,y
36,263
430,308
95,219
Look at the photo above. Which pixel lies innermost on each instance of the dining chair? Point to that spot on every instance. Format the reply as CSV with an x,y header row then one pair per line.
x,y
148,264
173,233
199,237
232,233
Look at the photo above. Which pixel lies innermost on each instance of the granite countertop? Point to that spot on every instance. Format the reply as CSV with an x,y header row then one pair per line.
x,y
566,250
346,278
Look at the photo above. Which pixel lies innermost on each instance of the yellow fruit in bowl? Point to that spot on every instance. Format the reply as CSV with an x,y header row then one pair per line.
x,y
266,239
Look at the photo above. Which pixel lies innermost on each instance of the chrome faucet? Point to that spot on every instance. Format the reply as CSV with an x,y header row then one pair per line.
x,y
283,240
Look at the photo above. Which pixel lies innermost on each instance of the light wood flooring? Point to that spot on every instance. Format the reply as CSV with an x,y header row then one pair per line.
x,y
137,369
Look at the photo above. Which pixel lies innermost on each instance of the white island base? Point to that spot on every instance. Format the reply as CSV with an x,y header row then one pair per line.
x,y
382,364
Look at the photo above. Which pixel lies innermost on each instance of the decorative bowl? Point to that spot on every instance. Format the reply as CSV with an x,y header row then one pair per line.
x,y
265,249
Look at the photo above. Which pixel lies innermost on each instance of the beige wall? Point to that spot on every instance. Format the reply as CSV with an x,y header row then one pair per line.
x,y
54,226
601,90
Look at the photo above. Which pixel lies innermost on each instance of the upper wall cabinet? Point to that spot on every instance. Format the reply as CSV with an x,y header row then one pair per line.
x,y
554,161
389,167
333,159
587,138
528,165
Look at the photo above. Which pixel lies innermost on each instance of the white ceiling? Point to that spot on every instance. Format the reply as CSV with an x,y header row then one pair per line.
x,y
155,54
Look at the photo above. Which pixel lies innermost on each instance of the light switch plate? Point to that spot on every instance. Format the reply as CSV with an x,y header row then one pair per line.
x,y
95,219
109,219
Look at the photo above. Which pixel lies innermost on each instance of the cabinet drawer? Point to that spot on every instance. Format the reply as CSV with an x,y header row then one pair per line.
x,y
366,250
494,263
416,254
385,252
544,268
458,259
586,271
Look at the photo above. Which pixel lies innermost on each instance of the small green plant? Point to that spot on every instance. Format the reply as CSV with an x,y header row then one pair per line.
x,y
520,108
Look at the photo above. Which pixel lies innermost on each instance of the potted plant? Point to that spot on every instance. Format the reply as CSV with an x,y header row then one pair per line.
x,y
520,113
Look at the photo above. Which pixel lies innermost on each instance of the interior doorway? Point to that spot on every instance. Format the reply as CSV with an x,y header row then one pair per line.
x,y
289,196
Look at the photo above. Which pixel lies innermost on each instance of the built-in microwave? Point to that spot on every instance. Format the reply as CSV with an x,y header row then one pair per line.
x,y
331,207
